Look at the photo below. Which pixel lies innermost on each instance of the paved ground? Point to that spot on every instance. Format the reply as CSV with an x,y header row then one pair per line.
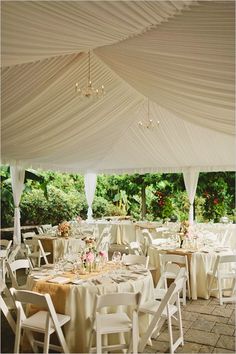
x,y
208,328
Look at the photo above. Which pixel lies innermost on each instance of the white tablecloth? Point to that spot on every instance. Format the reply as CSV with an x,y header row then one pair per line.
x,y
79,304
199,264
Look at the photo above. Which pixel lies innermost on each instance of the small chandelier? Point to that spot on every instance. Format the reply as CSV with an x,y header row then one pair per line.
x,y
89,91
148,124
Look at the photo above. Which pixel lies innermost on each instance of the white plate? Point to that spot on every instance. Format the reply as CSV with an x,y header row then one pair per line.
x,y
48,266
78,282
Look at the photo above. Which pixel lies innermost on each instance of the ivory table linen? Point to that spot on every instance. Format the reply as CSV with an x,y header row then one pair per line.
x,y
78,301
200,262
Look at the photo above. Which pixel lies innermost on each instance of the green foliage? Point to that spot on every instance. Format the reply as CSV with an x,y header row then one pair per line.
x,y
217,190
51,197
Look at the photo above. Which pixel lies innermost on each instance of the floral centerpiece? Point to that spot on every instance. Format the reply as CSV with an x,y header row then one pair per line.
x,y
64,229
183,231
91,255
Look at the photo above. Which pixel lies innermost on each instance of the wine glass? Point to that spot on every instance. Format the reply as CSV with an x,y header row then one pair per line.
x,y
116,257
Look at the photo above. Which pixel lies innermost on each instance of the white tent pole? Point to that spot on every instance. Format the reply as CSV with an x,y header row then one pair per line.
x,y
90,180
17,182
190,180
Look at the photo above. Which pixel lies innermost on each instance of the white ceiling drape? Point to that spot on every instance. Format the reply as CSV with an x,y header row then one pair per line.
x,y
17,181
180,54
190,180
90,180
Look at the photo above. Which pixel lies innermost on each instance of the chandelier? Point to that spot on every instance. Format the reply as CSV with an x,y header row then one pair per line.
x,y
148,123
89,91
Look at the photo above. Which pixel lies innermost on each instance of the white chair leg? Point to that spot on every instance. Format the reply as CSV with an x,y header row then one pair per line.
x,y
135,335
189,291
181,334
220,290
46,342
170,335
184,294
98,342
17,338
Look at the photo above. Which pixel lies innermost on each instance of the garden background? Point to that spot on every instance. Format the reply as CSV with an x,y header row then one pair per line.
x,y
51,197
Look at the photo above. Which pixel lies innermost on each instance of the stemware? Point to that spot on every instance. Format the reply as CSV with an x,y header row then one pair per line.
x,y
116,257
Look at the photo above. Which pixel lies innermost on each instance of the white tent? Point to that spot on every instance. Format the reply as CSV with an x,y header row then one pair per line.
x,y
179,54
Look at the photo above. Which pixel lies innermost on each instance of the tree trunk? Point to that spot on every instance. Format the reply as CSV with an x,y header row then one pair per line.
x,y
143,201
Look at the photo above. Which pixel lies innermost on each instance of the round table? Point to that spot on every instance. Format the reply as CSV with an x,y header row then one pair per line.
x,y
78,301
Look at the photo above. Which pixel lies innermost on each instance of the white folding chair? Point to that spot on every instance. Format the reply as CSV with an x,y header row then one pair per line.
x,y
130,259
105,232
35,251
165,310
136,248
169,273
6,306
28,235
106,321
224,270
13,269
5,246
14,253
162,285
104,241
45,321
46,227
150,240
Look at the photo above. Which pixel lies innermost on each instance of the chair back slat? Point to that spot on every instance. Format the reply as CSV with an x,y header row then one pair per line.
x,y
125,299
29,297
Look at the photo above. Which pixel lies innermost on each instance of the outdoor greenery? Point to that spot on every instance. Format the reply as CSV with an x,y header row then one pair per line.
x,y
51,197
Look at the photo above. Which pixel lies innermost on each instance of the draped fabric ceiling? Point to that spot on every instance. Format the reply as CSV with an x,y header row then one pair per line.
x,y
180,54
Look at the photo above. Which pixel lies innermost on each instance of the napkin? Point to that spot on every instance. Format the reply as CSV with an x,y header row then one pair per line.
x,y
59,280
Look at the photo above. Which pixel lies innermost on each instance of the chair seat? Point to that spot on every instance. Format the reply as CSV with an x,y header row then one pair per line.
x,y
159,293
169,275
152,307
37,322
114,322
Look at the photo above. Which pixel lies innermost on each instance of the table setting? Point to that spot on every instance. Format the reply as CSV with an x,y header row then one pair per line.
x,y
74,293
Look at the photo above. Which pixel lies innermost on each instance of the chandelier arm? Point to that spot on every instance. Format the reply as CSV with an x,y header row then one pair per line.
x,y
89,91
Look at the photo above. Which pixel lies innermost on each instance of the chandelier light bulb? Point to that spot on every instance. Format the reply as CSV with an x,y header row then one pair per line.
x,y
149,123
89,91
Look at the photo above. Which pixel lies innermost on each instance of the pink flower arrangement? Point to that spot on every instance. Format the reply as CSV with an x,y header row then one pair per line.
x,y
90,257
103,254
